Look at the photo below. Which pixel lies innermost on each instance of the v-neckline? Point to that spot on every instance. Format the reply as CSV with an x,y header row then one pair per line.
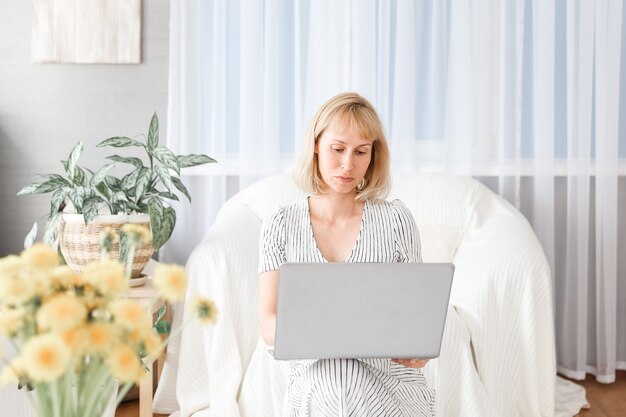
x,y
312,234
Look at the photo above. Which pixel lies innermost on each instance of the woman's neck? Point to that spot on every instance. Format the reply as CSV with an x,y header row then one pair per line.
x,y
335,206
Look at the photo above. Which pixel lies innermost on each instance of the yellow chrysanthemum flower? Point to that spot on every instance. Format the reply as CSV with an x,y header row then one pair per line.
x,y
92,299
45,357
61,312
152,344
170,281
65,277
74,339
129,314
12,372
124,364
10,266
107,276
205,309
100,337
137,232
17,290
11,321
41,256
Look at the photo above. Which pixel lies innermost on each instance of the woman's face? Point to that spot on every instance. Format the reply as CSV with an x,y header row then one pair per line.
x,y
343,158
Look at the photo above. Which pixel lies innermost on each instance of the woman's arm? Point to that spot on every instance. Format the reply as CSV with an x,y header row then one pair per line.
x,y
268,289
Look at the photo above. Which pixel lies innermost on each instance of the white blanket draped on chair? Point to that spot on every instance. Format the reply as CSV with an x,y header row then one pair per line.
x,y
498,353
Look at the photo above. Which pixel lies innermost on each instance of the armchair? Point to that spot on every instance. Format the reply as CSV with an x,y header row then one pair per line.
x,y
498,353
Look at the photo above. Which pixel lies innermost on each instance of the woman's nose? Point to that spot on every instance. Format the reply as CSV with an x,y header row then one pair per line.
x,y
346,161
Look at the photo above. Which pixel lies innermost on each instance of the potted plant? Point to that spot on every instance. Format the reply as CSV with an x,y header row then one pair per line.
x,y
85,202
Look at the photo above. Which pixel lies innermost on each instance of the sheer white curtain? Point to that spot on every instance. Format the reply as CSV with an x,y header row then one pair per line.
x,y
525,95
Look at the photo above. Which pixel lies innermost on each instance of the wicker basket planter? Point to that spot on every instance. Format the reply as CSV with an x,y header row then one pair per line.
x,y
80,243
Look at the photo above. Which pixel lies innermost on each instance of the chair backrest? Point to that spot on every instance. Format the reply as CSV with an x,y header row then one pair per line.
x,y
443,205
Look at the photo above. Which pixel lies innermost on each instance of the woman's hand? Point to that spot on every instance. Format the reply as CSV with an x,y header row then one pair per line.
x,y
412,363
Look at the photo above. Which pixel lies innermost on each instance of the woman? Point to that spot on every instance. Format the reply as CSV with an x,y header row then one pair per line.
x,y
344,166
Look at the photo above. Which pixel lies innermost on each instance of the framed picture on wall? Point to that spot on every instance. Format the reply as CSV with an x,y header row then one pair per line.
x,y
86,31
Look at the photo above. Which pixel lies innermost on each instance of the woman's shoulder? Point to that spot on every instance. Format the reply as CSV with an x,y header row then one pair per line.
x,y
279,212
393,207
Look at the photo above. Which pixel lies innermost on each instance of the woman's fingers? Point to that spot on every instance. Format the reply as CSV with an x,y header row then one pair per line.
x,y
412,363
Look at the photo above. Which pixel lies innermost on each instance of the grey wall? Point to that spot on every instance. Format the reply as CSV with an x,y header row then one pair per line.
x,y
46,108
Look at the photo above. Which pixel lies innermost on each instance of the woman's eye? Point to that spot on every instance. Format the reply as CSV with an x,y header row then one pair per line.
x,y
337,149
361,153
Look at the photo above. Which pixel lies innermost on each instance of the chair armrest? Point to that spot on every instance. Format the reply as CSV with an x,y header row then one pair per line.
x,y
213,359
502,291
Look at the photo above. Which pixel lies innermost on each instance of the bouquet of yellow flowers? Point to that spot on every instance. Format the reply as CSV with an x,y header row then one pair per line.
x,y
76,335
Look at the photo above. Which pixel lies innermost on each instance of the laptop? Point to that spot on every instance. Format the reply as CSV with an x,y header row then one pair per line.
x,y
361,310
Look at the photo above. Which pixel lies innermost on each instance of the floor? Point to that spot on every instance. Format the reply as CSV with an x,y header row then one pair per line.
x,y
607,400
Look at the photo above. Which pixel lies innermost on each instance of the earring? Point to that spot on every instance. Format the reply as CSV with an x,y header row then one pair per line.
x,y
360,185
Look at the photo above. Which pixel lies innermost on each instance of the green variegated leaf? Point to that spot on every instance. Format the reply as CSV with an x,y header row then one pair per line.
x,y
52,230
57,199
156,218
163,327
31,236
57,178
113,183
167,226
119,142
192,160
90,208
167,158
143,208
161,313
130,180
42,188
104,190
153,133
73,159
120,196
80,178
77,197
169,195
142,183
134,207
179,184
29,189
156,205
165,176
101,174
136,162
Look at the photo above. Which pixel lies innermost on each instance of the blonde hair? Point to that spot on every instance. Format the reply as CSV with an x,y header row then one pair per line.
x,y
347,110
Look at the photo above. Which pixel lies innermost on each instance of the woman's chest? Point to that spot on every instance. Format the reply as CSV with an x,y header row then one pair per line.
x,y
371,243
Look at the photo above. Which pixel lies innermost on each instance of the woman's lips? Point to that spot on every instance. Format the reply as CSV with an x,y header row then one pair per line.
x,y
344,179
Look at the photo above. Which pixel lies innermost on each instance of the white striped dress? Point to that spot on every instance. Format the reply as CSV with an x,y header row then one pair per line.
x,y
349,387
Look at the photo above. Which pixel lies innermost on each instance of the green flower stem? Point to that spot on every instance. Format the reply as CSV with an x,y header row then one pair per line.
x,y
56,401
43,400
129,260
122,393
95,390
86,387
68,401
